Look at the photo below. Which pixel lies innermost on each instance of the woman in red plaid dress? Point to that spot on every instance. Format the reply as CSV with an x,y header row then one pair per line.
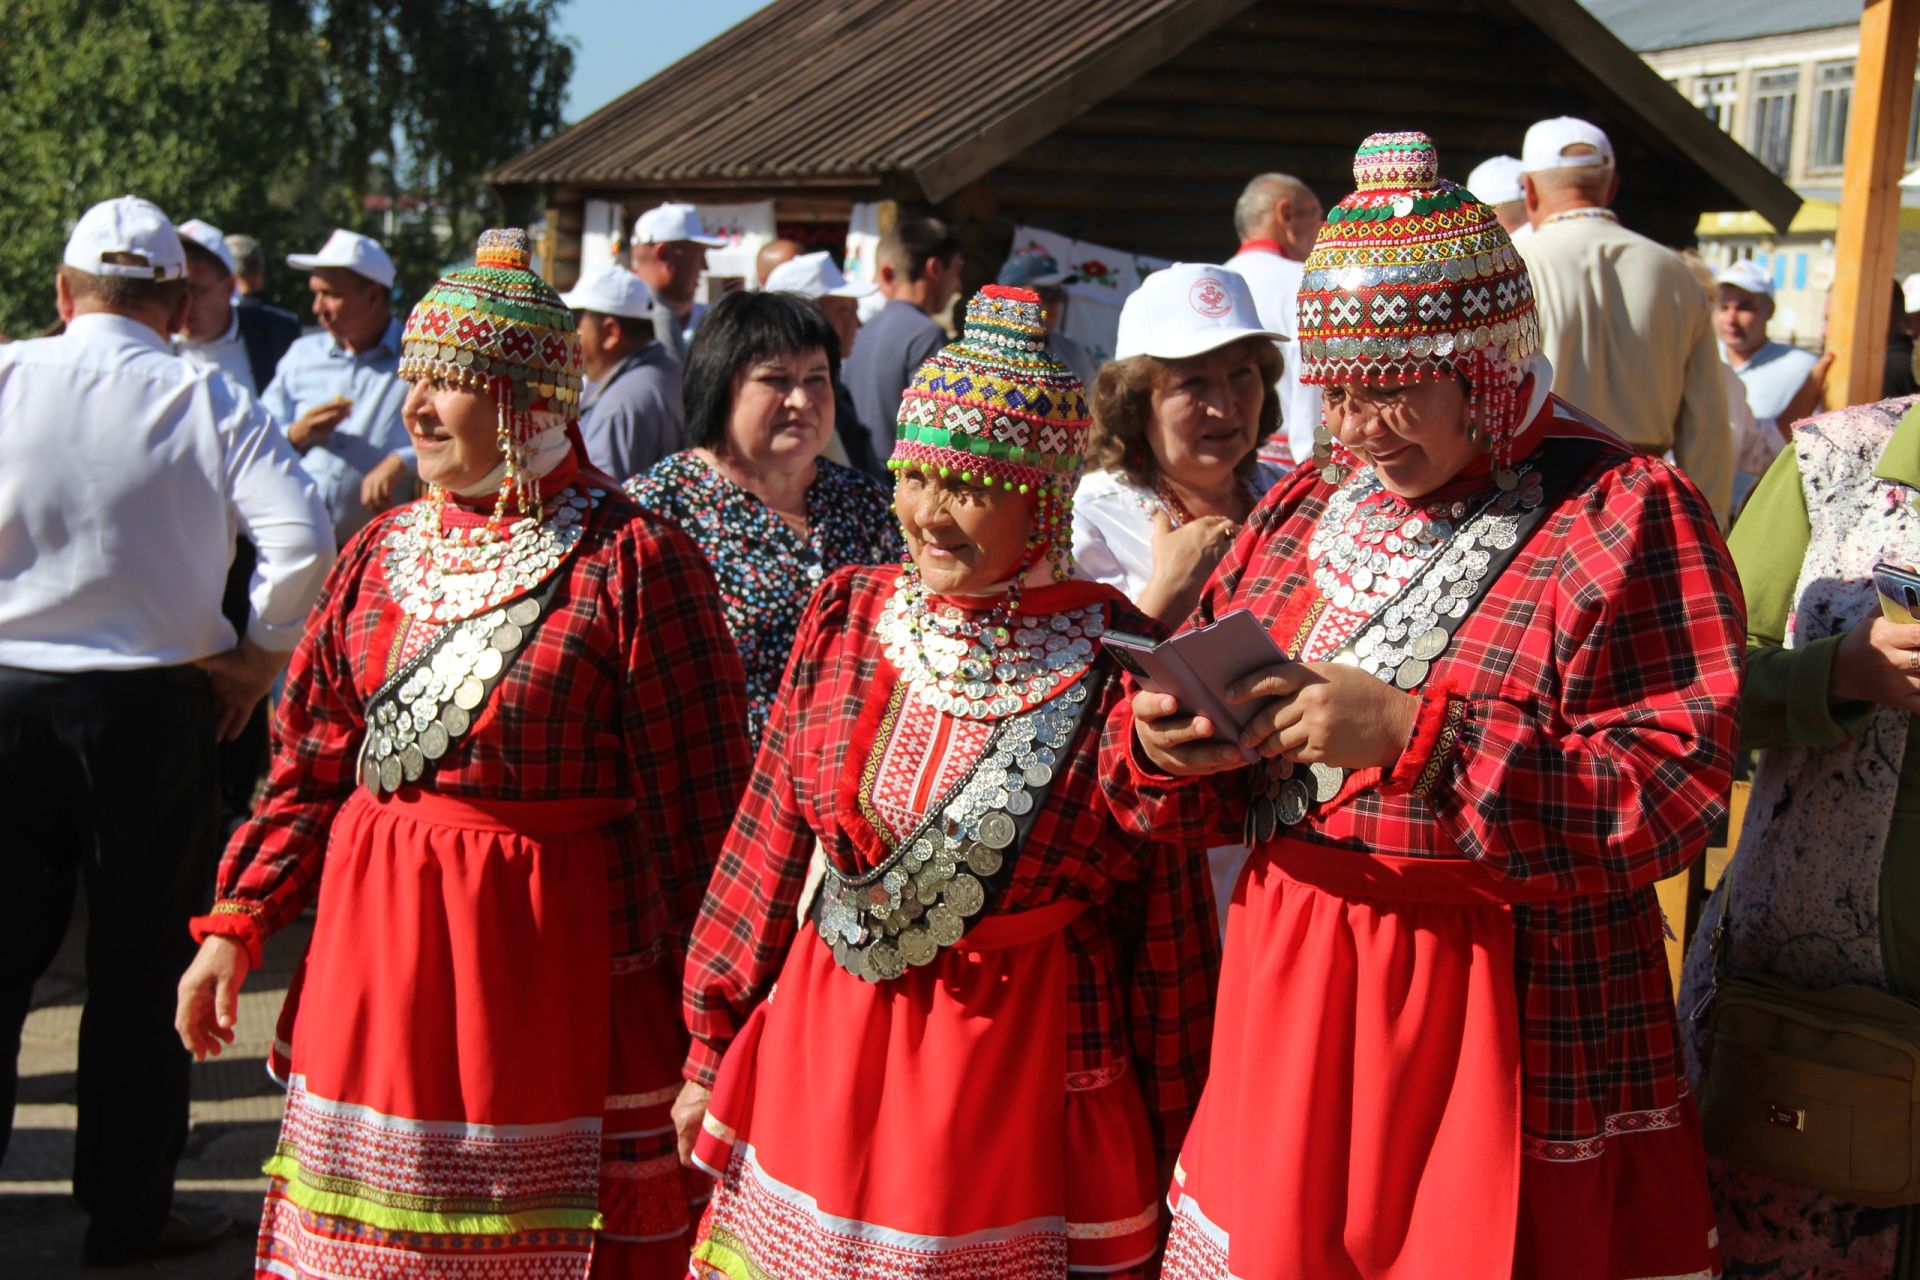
x,y
509,746
948,1020
1446,1042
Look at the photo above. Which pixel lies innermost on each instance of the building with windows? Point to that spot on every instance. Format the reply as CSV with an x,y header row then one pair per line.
x,y
1777,75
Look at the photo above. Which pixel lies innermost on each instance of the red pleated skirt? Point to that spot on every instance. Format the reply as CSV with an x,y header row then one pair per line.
x,y
475,1088
1362,1118
925,1127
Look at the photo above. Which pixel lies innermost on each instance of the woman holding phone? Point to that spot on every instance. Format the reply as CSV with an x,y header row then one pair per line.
x,y
1833,688
1446,1041
992,1005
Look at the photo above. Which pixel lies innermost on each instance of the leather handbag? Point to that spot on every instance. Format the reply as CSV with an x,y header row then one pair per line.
x,y
1816,1088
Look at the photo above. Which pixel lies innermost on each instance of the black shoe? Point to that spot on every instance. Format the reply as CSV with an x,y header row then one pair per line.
x,y
189,1228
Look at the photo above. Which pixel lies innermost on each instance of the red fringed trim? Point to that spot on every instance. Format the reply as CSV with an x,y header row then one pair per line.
x,y
1436,727
238,921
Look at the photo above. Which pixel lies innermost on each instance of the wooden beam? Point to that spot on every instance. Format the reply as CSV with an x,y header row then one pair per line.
x,y
1869,230
1113,67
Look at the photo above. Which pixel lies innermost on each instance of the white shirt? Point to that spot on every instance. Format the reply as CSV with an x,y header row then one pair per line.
x,y
1113,543
125,474
1113,528
1275,283
227,353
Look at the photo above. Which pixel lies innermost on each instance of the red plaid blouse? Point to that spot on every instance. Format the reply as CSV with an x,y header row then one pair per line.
x,y
1144,960
1594,691
629,686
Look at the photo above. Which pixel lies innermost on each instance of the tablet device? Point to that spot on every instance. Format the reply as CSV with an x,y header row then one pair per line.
x,y
1197,666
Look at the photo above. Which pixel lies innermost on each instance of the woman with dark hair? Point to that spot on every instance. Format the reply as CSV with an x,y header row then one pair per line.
x,y
773,517
1178,418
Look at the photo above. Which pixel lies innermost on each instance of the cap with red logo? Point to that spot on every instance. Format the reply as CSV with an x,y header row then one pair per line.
x,y
1185,310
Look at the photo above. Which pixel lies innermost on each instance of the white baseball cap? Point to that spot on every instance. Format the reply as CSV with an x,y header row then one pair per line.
x,y
1548,140
614,291
1187,309
359,254
126,225
814,275
1496,181
670,222
1747,275
210,238
1910,290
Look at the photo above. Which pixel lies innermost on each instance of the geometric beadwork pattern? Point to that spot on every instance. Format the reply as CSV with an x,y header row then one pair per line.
x,y
1410,272
997,405
496,326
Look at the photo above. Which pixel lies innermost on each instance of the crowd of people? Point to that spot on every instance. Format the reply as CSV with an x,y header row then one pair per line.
x,y
731,851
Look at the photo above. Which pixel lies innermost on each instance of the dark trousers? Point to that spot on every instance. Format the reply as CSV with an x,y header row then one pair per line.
x,y
111,779
244,760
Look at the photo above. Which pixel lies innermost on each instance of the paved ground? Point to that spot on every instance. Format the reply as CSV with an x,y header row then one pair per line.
x,y
236,1111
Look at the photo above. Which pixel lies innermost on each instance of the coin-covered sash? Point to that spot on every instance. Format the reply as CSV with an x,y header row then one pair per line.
x,y
432,699
1402,640
921,898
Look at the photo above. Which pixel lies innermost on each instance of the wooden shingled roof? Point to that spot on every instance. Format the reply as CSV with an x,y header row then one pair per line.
x,y
1134,122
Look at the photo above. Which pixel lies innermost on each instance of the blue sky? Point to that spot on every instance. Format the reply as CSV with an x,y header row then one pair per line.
x,y
622,42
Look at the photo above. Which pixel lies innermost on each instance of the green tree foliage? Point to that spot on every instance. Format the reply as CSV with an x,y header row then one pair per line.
x,y
272,117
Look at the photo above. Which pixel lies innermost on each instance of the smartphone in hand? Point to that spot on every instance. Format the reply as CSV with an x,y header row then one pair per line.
x,y
1899,590
1196,667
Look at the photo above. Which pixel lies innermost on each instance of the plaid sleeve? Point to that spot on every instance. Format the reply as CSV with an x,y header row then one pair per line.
x,y
272,865
747,921
686,715
1614,773
1176,965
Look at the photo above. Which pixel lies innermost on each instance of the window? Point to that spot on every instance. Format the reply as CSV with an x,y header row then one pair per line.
x,y
1714,96
1771,135
1832,94
1913,128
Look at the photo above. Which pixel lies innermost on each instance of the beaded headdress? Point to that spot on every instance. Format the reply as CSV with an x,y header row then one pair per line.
x,y
499,329
999,408
1413,278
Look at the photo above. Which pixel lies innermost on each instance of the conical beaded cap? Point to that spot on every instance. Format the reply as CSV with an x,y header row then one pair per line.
x,y
997,406
496,327
1409,274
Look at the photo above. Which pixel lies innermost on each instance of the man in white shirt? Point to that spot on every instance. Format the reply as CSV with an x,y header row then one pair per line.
x,y
1277,218
1773,375
1622,320
219,335
211,334
338,393
1496,184
125,474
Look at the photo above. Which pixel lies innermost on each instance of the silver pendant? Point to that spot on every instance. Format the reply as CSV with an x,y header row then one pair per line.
x,y
1292,802
1327,781
996,831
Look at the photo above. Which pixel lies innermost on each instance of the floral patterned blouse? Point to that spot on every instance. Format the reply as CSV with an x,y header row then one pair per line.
x,y
768,571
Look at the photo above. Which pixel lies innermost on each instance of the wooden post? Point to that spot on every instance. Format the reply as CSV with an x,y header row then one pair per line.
x,y
1862,299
